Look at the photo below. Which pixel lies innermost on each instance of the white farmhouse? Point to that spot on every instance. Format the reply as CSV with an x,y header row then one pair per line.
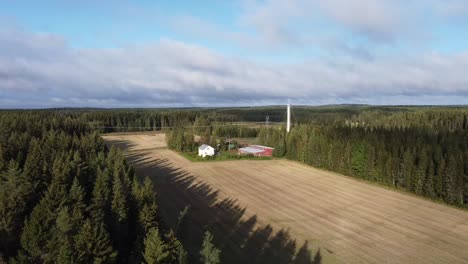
x,y
206,150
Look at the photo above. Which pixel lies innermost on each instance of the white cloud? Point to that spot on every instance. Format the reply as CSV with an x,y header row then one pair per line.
x,y
286,22
276,20
451,8
377,19
273,19
42,71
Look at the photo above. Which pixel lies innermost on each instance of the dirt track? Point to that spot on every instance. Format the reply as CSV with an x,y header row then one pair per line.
x,y
263,208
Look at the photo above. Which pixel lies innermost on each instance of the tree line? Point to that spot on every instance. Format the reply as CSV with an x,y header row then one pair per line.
x,y
121,120
66,198
420,149
419,160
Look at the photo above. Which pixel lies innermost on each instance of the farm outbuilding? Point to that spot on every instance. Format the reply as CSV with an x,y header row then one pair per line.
x,y
206,150
257,150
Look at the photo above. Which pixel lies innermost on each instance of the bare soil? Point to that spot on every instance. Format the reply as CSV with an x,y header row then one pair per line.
x,y
280,211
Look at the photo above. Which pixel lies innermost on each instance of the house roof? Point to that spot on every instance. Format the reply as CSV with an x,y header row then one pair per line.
x,y
204,146
250,150
260,146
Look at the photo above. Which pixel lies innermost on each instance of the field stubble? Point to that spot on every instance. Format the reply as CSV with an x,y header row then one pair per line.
x,y
279,211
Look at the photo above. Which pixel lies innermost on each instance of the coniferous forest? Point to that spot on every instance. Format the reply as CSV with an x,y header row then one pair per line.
x,y
66,198
423,150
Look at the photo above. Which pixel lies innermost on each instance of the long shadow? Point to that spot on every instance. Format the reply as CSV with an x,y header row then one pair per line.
x,y
121,144
240,240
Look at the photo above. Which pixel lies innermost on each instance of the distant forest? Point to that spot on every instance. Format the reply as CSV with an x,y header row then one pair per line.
x,y
66,198
420,149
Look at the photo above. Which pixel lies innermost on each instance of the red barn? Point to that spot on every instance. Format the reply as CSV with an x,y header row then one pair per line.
x,y
257,150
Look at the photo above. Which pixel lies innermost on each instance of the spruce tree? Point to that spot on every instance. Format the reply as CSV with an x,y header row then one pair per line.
x,y
119,203
92,244
2,163
38,228
61,170
156,251
209,253
420,176
177,253
429,182
147,217
60,247
79,169
408,170
34,168
146,203
100,202
76,200
358,160
120,211
15,198
439,179
450,188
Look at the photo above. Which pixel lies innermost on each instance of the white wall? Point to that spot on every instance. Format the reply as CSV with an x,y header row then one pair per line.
x,y
206,152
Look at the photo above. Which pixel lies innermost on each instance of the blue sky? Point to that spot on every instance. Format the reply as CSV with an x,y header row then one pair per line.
x,y
226,53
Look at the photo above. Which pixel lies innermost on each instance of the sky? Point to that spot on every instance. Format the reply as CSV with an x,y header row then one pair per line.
x,y
232,53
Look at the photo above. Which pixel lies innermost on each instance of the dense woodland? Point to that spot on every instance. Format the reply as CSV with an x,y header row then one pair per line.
x,y
383,116
433,164
423,150
66,198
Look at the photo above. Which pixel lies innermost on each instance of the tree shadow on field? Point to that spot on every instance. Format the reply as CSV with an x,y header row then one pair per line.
x,y
121,144
240,239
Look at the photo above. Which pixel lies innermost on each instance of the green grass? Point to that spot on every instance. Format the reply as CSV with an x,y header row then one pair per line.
x,y
223,156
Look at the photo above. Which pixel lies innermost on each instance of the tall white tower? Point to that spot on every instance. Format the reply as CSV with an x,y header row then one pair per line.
x,y
288,123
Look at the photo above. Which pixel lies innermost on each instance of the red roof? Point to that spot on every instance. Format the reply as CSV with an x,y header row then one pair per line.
x,y
259,147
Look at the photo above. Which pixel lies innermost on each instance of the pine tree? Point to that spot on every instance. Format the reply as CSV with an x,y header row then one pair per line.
x,y
156,251
34,168
147,217
181,217
2,163
389,171
61,170
209,253
147,193
119,204
60,247
76,199
145,210
465,190
408,169
177,254
120,211
439,179
450,191
15,196
100,202
79,169
38,228
92,244
146,203
429,183
420,176
358,160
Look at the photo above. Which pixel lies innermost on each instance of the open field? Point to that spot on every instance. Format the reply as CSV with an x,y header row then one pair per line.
x,y
269,211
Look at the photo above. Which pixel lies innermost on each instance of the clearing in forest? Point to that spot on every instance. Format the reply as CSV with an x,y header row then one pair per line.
x,y
279,211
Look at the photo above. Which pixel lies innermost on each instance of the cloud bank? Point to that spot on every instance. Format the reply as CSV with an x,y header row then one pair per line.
x,y
42,70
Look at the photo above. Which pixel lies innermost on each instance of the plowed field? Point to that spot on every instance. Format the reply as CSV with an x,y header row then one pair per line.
x,y
279,211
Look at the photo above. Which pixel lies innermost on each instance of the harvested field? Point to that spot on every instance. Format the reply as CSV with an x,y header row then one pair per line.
x,y
279,211
138,141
